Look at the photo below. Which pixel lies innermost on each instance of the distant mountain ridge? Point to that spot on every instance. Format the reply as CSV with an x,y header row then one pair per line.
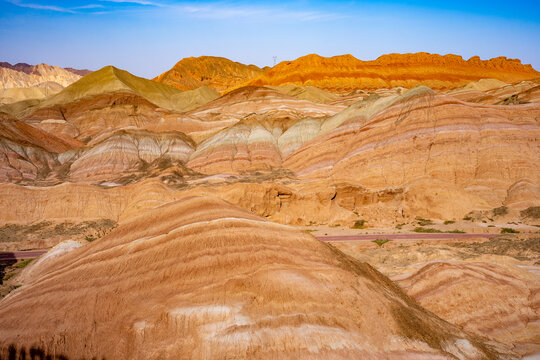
x,y
345,73
341,74
23,81
33,69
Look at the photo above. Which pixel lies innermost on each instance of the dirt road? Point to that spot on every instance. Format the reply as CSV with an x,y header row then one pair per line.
x,y
21,254
414,236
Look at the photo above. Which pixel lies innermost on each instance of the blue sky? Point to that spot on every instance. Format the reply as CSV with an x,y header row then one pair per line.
x,y
147,37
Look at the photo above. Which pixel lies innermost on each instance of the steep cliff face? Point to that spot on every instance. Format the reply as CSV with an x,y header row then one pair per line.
x,y
211,280
215,72
342,74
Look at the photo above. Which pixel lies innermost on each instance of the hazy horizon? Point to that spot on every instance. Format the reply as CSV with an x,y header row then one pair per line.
x,y
147,38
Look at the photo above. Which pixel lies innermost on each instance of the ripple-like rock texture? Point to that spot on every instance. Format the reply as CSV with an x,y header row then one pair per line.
x,y
127,151
463,149
262,116
342,74
201,279
28,152
215,72
112,99
502,302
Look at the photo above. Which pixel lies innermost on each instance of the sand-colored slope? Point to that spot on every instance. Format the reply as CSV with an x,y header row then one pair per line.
x,y
342,74
111,99
258,101
478,148
306,93
110,80
502,302
79,202
40,91
25,76
201,279
100,114
215,72
491,92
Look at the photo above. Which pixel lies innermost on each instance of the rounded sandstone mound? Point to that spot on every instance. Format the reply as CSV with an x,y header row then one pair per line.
x,y
201,279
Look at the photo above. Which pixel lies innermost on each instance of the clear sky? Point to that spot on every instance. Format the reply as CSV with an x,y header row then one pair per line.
x,y
147,37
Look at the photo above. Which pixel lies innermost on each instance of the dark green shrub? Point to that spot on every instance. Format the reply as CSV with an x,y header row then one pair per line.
x,y
426,230
380,242
359,224
424,222
500,211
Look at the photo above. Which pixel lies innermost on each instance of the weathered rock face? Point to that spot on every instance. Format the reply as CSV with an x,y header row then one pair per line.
x,y
127,151
252,143
480,149
27,152
75,202
211,280
215,72
488,299
342,74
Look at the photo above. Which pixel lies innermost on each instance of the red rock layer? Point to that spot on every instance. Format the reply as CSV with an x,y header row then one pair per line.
x,y
215,72
342,74
201,279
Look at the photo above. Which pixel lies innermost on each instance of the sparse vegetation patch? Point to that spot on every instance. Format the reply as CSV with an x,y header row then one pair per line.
x,y
426,230
500,211
424,222
23,264
532,212
380,242
359,224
